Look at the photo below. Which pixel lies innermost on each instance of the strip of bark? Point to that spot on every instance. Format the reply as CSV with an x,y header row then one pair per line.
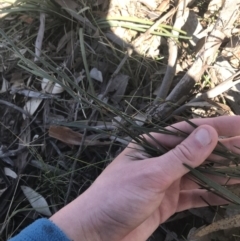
x,y
223,224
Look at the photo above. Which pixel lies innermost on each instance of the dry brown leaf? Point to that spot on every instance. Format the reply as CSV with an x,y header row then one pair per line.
x,y
71,137
26,19
65,135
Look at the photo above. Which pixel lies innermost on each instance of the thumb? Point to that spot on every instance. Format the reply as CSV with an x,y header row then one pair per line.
x,y
192,151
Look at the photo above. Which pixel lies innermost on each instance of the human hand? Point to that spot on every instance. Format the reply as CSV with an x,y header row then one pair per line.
x,y
136,193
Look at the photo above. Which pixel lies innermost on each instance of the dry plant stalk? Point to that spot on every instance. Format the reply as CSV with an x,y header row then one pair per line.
x,y
212,93
222,29
173,53
40,36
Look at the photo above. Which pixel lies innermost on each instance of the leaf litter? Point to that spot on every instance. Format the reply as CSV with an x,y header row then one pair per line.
x,y
89,77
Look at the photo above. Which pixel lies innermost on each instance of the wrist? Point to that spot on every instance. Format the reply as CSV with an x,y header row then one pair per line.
x,y
76,221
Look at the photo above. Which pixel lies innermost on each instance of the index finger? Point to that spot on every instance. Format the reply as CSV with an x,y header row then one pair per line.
x,y
224,125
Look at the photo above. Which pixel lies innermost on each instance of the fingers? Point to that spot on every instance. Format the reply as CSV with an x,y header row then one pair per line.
x,y
192,151
225,126
232,144
197,199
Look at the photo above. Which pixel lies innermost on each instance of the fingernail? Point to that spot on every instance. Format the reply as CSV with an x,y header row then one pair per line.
x,y
203,137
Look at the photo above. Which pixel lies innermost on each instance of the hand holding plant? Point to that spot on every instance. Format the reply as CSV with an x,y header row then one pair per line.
x,y
136,193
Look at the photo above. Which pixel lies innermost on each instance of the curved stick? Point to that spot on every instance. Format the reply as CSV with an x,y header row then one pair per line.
x,y
173,54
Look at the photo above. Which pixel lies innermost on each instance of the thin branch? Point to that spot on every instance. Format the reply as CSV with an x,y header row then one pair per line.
x,y
9,153
15,107
212,93
40,36
173,54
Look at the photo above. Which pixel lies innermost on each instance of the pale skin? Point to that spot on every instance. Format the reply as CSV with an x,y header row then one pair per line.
x,y
136,193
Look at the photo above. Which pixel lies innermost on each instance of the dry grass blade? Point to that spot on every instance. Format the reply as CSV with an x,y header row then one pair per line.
x,y
85,61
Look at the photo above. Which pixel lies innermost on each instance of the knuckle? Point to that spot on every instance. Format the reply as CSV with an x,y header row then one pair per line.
x,y
183,153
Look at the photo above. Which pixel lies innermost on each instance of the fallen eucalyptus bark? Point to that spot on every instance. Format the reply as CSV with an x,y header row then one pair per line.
x,y
222,29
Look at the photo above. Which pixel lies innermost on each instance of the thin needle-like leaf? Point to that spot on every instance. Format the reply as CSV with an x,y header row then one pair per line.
x,y
85,61
217,187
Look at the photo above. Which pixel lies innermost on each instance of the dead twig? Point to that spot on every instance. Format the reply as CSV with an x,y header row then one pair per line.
x,y
9,153
173,54
40,36
212,93
15,107
219,89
